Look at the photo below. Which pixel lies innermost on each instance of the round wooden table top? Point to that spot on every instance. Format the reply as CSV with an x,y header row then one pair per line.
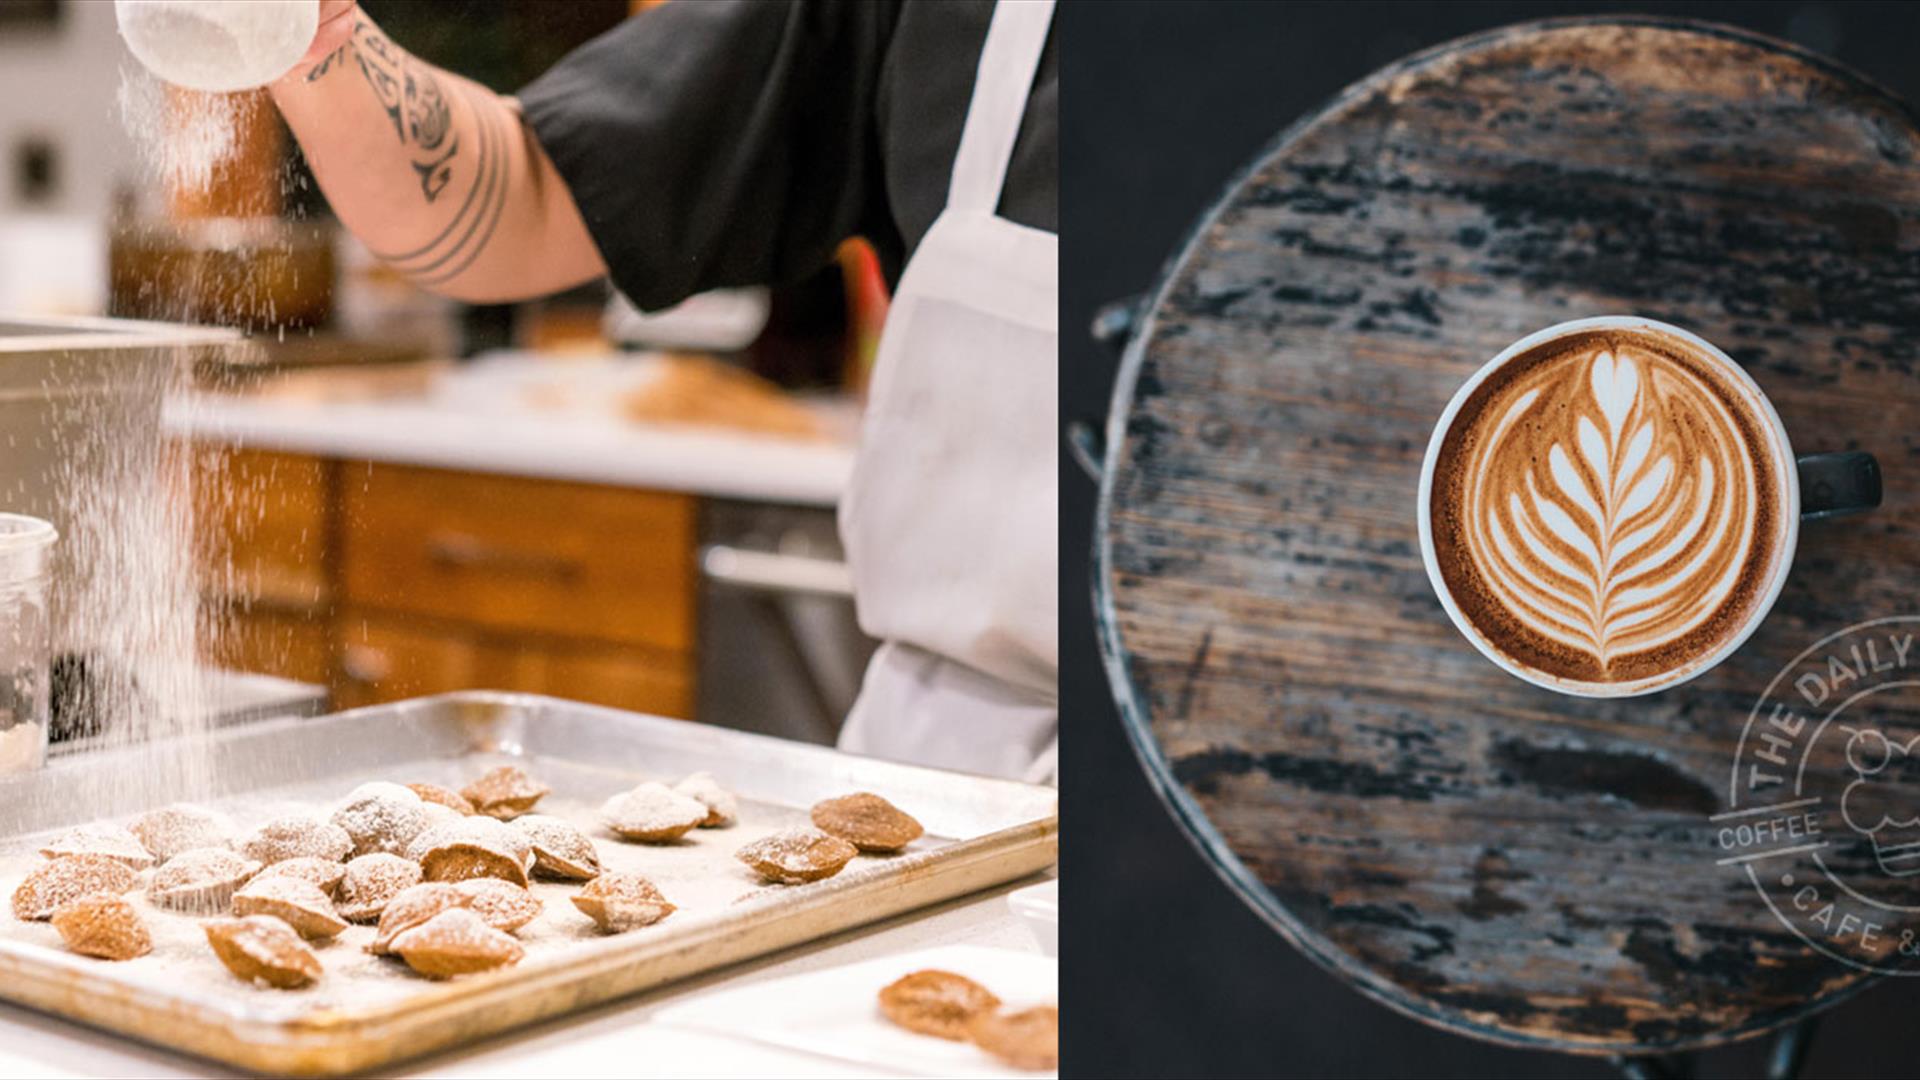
x,y
1523,866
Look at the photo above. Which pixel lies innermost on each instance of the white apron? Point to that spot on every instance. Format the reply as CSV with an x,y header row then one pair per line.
x,y
951,520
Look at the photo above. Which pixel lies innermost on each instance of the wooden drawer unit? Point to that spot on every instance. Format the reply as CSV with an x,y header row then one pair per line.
x,y
626,678
382,660
386,582
267,519
273,642
514,554
385,660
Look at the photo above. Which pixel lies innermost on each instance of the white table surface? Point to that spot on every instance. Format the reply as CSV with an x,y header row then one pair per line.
x,y
615,1040
471,422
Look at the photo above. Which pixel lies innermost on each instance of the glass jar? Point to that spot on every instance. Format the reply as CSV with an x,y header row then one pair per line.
x,y
26,550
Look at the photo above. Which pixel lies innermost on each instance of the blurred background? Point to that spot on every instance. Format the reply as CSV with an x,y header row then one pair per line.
x,y
402,494
1168,101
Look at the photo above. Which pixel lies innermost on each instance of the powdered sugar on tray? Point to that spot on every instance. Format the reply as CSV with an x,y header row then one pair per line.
x,y
697,873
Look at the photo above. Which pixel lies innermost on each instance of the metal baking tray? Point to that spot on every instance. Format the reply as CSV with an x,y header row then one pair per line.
x,y
366,1012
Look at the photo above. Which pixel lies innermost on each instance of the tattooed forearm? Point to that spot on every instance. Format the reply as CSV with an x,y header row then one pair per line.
x,y
430,126
410,95
457,245
384,66
326,63
440,177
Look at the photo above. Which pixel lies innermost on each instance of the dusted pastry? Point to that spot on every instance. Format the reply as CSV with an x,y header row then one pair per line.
x,y
262,949
934,1002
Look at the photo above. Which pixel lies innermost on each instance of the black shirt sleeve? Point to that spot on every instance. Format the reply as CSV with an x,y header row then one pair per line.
x,y
721,143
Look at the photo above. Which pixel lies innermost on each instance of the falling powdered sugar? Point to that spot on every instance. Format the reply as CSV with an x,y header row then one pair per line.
x,y
182,136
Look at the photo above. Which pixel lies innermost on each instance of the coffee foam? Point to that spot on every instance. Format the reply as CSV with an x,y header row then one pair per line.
x,y
1607,507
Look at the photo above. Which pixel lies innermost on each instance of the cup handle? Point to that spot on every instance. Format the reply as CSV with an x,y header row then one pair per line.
x,y
1835,484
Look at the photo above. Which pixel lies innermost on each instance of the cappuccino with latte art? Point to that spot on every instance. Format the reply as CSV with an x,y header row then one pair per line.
x,y
1609,508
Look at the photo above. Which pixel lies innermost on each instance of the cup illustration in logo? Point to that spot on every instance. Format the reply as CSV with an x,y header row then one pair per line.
x,y
1874,804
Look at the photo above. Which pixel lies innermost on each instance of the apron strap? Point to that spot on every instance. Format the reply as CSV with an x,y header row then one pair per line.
x,y
1008,61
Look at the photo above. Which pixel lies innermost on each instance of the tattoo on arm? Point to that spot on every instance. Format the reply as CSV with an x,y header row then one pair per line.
x,y
449,254
411,96
429,125
326,63
421,112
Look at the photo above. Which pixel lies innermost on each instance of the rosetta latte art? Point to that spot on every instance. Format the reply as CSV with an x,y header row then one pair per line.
x,y
1612,505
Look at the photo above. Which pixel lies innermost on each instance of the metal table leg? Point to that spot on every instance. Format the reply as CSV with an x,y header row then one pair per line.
x,y
1789,1051
1784,1059
1654,1067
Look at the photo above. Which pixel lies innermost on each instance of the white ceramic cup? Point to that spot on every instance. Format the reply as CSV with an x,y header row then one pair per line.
x,y
1841,483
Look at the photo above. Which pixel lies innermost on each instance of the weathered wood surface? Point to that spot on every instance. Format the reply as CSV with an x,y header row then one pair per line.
x,y
1473,850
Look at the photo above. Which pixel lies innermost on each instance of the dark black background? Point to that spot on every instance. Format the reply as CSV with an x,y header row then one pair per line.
x,y
1167,972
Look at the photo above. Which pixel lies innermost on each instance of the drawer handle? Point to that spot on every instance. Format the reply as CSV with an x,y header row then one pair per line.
x,y
364,665
461,551
765,571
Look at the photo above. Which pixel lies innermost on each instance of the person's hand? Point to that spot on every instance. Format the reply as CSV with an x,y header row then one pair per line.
x,y
336,27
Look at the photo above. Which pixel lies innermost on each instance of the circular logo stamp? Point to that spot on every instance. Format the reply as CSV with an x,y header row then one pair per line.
x,y
1824,797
